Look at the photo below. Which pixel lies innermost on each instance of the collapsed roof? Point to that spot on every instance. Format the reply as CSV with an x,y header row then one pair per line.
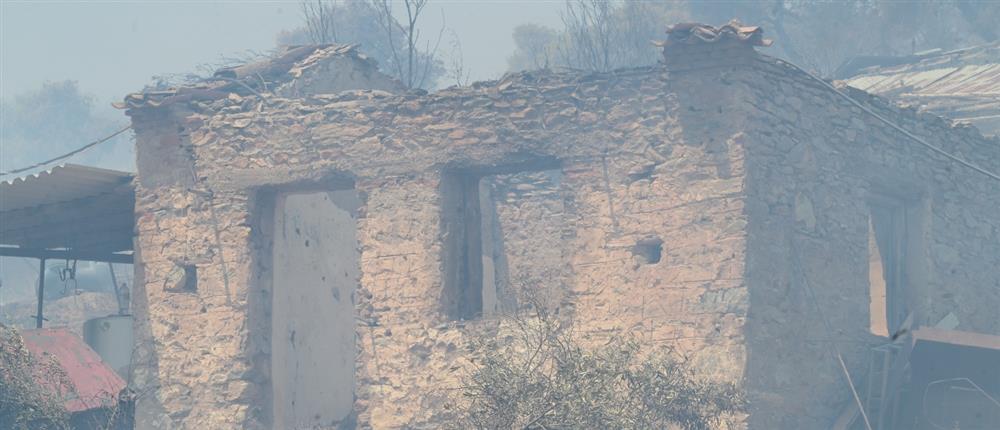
x,y
291,73
963,85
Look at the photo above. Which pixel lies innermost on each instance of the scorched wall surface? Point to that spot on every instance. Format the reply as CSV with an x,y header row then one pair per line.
x,y
815,165
635,157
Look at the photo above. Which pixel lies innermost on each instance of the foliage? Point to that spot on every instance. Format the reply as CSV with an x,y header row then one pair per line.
x,y
371,24
533,373
54,119
24,403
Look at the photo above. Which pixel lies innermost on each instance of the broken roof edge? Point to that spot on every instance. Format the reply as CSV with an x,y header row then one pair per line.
x,y
903,107
255,78
693,33
876,101
518,79
554,77
252,78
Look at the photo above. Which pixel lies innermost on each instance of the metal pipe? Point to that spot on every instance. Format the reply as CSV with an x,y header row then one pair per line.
x,y
41,292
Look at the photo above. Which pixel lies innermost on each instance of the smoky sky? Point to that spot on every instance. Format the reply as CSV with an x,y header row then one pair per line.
x,y
115,47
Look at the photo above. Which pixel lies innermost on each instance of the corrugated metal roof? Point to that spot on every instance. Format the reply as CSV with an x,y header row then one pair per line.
x,y
95,384
59,184
72,207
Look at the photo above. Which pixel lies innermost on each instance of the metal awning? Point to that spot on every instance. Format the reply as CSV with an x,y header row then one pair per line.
x,y
69,211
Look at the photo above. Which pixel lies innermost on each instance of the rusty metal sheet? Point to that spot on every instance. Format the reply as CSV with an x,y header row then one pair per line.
x,y
95,383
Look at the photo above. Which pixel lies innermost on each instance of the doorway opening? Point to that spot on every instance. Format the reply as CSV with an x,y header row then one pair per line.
x,y
316,270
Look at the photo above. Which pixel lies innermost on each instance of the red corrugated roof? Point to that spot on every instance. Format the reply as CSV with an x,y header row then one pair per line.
x,y
96,384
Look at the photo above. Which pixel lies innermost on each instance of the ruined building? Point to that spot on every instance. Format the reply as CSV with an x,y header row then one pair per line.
x,y
315,242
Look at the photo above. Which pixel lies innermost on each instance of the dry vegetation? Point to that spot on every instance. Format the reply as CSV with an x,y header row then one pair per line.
x,y
532,372
24,403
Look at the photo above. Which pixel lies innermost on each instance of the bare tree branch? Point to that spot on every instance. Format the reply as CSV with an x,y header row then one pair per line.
x,y
389,24
319,19
412,66
457,70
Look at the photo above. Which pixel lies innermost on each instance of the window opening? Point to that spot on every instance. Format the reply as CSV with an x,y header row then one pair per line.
x,y
887,244
463,221
476,277
190,284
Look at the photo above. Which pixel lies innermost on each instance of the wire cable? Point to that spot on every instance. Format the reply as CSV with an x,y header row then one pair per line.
x,y
912,136
68,154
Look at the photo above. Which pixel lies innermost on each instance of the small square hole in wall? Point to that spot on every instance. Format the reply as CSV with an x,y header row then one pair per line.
x,y
183,278
648,251
190,281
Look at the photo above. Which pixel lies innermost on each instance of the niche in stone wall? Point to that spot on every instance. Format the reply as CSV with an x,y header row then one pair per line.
x,y
316,270
648,251
504,237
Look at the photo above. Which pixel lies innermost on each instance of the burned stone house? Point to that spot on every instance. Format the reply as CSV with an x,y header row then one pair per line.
x,y
314,242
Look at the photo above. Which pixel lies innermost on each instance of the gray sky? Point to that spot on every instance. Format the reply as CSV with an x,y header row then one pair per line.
x,y
115,47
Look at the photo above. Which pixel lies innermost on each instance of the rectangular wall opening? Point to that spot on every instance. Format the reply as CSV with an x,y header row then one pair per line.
x,y
890,240
462,219
316,270
476,273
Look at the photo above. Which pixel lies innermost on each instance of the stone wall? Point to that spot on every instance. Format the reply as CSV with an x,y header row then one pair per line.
x,y
814,163
718,205
648,163
187,339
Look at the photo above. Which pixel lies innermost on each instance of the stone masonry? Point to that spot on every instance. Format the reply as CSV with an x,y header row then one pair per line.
x,y
688,204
